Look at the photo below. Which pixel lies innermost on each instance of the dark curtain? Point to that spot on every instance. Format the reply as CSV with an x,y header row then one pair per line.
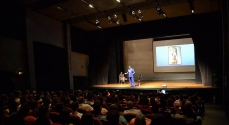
x,y
99,63
206,38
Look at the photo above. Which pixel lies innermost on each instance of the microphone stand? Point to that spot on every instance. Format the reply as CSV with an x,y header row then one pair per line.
x,y
139,80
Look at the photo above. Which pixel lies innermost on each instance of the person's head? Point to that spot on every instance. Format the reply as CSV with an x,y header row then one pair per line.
x,y
23,100
113,117
130,104
59,107
114,107
120,72
129,66
97,106
74,106
43,111
140,120
46,101
87,119
24,110
81,100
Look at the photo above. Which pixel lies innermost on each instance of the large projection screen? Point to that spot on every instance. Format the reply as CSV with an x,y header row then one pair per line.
x,y
174,55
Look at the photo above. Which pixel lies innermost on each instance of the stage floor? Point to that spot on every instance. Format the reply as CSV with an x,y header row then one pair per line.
x,y
155,85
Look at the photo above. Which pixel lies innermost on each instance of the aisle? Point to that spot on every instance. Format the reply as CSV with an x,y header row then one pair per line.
x,y
215,115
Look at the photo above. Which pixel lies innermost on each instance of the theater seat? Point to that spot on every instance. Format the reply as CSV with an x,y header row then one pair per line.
x,y
74,119
54,116
97,121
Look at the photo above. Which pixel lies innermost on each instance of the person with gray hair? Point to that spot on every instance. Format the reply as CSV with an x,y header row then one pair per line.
x,y
140,120
131,109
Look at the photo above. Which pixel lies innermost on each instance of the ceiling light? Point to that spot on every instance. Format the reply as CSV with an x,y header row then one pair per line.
x,y
90,5
191,5
118,1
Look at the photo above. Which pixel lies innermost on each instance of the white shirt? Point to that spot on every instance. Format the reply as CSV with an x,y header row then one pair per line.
x,y
134,111
86,107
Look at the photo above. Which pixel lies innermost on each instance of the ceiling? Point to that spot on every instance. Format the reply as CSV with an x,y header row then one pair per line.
x,y
79,14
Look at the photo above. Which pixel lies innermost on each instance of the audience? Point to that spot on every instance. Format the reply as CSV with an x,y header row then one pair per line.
x,y
150,108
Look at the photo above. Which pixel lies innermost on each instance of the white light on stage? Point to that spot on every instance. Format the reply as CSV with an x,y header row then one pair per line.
x,y
164,86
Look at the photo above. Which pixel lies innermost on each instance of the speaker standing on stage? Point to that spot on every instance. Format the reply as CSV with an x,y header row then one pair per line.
x,y
130,73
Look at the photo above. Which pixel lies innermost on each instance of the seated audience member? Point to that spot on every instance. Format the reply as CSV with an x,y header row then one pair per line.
x,y
74,106
190,115
59,107
140,120
64,117
43,116
155,105
25,113
82,104
17,96
90,99
87,119
15,117
113,117
130,106
121,117
143,100
99,111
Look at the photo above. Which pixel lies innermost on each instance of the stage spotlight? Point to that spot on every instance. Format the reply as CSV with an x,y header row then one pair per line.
x,y
109,20
160,11
115,16
135,16
113,20
97,23
90,5
191,5
140,13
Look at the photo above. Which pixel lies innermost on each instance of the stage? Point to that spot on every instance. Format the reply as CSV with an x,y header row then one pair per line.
x,y
155,85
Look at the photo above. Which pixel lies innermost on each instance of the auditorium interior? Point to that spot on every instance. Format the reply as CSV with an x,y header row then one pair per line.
x,y
81,46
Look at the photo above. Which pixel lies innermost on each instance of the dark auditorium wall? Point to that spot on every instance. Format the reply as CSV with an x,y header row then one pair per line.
x,y
205,29
50,67
46,45
80,56
13,52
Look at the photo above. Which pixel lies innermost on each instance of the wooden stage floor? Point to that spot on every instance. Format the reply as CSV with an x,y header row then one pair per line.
x,y
155,85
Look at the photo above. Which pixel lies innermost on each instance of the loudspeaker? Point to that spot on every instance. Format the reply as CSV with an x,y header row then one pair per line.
x,y
164,86
215,80
124,17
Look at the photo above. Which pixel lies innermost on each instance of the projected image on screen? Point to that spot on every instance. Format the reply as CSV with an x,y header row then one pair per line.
x,y
174,55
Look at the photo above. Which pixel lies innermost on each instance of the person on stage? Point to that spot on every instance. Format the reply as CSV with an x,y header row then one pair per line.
x,y
121,78
130,73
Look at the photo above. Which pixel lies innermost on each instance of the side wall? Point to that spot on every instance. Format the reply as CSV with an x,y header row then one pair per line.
x,y
42,29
